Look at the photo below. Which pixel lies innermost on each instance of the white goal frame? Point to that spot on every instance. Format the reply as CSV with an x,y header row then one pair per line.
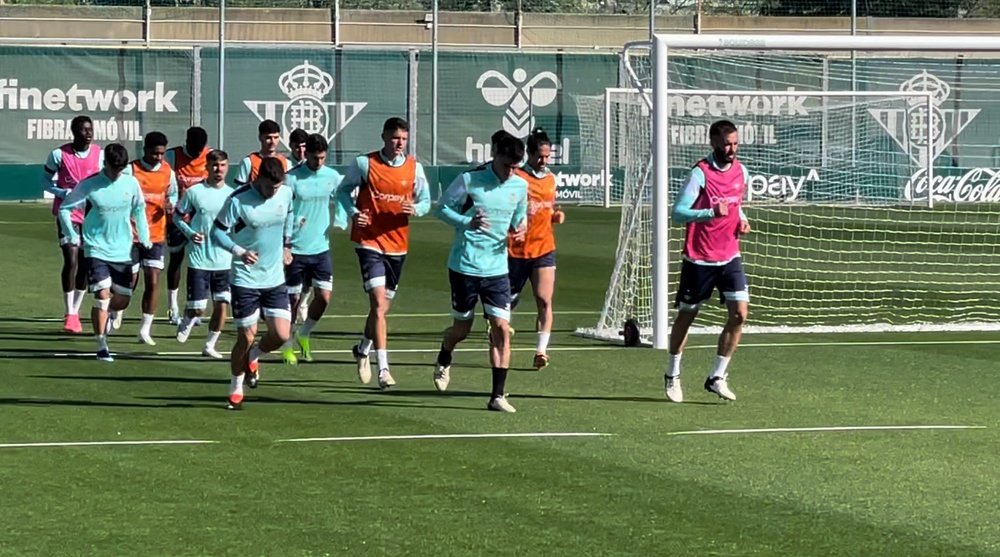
x,y
662,44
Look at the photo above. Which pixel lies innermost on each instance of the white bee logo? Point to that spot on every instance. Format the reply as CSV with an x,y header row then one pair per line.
x,y
520,96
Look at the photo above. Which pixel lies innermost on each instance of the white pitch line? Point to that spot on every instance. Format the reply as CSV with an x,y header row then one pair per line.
x,y
106,443
442,436
394,350
822,429
336,316
857,343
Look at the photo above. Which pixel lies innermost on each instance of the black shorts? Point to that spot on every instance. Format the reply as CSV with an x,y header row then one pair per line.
x,y
380,270
467,290
176,240
519,269
314,270
698,282
202,283
151,258
248,303
108,274
78,227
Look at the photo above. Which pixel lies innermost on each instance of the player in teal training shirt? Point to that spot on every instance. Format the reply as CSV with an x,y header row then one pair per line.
x,y
255,226
483,205
314,189
208,262
112,200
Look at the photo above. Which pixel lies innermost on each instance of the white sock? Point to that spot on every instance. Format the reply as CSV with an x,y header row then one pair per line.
x,y
102,342
307,327
236,384
78,296
364,345
213,337
147,323
543,342
382,357
254,353
172,296
68,301
675,365
719,369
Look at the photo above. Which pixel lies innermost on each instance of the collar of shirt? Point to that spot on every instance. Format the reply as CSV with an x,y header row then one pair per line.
x,y
146,165
396,161
544,172
711,160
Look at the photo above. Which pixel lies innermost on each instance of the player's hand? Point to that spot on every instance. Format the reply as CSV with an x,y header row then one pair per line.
x,y
722,209
198,238
744,227
147,245
408,208
519,234
249,257
287,256
558,216
480,221
362,219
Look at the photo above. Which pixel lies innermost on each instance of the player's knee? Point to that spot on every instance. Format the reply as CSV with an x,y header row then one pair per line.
x,y
499,332
738,317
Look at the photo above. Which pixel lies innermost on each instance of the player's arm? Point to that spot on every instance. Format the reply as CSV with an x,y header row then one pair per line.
x,y
421,192
74,198
226,219
50,176
452,205
684,210
181,212
172,191
744,221
243,172
340,215
171,157
348,185
519,218
139,216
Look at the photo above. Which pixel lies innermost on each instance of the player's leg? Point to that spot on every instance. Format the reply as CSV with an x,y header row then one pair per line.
x,y
175,245
464,295
301,313
696,284
70,279
152,266
380,301
221,298
100,285
321,276
278,315
735,291
246,313
495,294
518,273
198,287
295,276
543,284
373,273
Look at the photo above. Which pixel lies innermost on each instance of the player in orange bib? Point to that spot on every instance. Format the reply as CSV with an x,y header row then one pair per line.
x,y
535,258
269,135
159,187
391,187
190,165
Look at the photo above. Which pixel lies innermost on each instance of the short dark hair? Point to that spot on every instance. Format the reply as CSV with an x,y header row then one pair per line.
x,y
395,123
537,140
298,135
197,138
511,147
115,156
316,143
76,124
498,136
154,139
271,170
721,128
217,155
267,127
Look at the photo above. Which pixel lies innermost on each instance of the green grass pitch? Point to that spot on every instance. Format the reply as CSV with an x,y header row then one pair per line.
x,y
640,490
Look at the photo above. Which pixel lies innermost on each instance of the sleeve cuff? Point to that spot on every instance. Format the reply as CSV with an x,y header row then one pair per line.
x,y
238,251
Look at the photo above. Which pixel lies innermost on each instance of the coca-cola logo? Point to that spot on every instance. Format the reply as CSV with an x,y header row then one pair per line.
x,y
977,185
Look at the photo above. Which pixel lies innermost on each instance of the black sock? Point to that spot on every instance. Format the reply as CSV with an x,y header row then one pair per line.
x,y
444,357
499,381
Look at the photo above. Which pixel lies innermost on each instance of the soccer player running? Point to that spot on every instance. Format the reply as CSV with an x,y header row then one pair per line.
x,y
255,226
65,167
208,263
483,205
190,165
535,258
159,186
709,204
391,187
314,188
113,201
269,135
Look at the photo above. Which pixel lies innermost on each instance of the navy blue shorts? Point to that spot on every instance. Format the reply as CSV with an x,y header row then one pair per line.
x,y
467,290
151,258
314,270
107,274
380,270
248,303
202,283
176,240
62,237
519,269
699,281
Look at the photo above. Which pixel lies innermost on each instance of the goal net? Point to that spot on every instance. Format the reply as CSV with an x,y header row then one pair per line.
x,y
874,196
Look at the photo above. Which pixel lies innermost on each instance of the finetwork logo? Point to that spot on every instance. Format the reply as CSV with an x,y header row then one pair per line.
x,y
306,87
910,127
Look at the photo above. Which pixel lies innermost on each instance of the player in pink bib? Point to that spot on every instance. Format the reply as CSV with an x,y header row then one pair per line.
x,y
710,206
66,167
